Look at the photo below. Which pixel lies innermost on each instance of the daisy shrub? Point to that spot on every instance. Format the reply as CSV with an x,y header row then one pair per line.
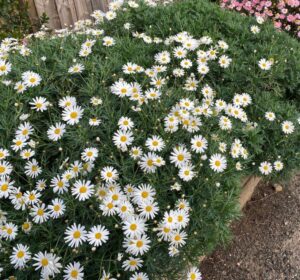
x,y
124,141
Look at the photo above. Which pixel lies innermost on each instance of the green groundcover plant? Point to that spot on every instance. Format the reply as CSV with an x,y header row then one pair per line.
x,y
14,19
123,143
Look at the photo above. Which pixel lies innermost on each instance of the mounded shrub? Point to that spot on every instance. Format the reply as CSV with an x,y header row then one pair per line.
x,y
123,144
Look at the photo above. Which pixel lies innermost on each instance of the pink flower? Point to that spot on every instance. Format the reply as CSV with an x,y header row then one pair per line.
x,y
290,18
268,4
277,24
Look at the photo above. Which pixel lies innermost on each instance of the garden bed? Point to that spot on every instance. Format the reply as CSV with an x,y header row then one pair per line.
x,y
123,143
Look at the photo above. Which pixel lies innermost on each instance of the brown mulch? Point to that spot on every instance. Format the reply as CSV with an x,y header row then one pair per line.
x,y
266,243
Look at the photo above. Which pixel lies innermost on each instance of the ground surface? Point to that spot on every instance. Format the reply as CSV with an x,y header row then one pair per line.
x,y
266,244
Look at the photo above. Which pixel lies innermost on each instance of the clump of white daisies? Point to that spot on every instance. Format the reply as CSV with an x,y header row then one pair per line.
x,y
98,184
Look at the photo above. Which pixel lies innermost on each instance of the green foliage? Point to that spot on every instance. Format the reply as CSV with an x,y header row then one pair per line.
x,y
14,20
212,196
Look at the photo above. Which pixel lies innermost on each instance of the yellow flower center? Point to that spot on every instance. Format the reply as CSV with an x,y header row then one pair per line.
x,y
217,163
74,273
133,263
56,208
115,197
76,234
83,189
40,212
123,138
98,235
32,80
4,187
180,157
73,115
177,238
44,262
133,227
148,208
145,194
20,254
57,131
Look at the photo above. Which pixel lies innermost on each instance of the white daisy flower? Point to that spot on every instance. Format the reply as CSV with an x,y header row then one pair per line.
x,y
186,63
108,41
56,208
97,235
89,154
6,186
32,197
39,104
94,122
82,190
67,102
199,144
31,79
137,246
109,174
218,163
224,61
72,115
270,116
84,52
203,69
19,143
155,143
122,139
132,264
225,123
20,256
5,67
287,127
278,165
59,185
125,123
32,169
144,193
9,231
194,274
48,263
4,153
186,173
180,156
148,210
264,64
136,152
254,29
73,271
56,131
139,276
134,226
75,235
178,238
265,168
27,154
20,87
121,88
5,168
77,68
39,213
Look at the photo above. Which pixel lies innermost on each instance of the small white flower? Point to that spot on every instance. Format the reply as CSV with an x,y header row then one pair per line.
x,y
265,168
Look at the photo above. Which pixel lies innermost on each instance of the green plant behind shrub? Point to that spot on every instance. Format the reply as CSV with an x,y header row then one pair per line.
x,y
14,19
95,71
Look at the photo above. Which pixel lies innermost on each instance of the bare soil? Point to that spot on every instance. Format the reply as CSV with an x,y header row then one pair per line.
x,y
266,243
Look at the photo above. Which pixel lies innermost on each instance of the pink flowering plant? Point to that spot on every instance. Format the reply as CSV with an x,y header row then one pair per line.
x,y
284,13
